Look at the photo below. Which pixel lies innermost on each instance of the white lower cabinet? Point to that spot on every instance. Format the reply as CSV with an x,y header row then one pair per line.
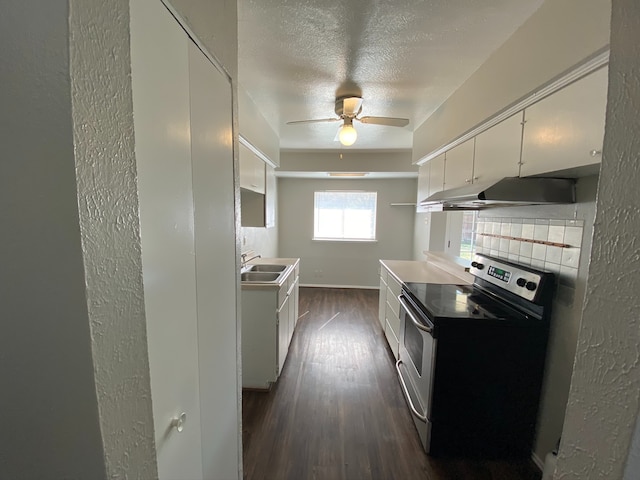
x,y
389,308
382,297
269,316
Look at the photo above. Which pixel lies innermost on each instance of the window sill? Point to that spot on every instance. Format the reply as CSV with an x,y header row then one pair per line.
x,y
344,240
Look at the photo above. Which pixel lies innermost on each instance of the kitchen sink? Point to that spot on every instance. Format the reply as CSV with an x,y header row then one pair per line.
x,y
259,277
267,268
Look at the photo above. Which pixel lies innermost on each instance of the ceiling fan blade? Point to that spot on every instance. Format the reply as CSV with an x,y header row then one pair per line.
x,y
319,120
388,121
351,106
337,137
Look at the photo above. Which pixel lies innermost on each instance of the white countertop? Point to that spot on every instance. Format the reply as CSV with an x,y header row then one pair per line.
x,y
436,269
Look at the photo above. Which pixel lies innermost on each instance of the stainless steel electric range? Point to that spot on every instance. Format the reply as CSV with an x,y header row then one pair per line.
x,y
472,357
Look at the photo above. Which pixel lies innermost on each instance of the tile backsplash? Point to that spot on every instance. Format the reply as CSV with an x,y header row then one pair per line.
x,y
547,244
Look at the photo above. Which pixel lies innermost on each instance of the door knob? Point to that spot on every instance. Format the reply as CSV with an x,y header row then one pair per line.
x,y
178,422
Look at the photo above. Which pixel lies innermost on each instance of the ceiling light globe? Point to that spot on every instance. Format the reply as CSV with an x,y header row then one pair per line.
x,y
347,135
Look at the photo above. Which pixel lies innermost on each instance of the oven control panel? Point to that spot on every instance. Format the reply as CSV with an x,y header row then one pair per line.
x,y
519,279
499,273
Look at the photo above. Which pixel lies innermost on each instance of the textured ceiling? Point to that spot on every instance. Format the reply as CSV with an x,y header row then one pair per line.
x,y
404,57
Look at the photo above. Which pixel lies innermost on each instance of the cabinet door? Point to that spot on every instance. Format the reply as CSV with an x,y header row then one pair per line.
x,y
565,129
160,59
423,186
497,152
436,174
215,246
283,333
252,171
458,170
271,195
294,300
382,298
292,313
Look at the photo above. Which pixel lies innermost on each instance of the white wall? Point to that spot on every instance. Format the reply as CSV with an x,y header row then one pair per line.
x,y
555,38
72,346
344,263
45,344
603,401
347,161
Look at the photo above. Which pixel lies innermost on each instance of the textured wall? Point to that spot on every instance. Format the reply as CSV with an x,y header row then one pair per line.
x,y
50,426
603,401
108,201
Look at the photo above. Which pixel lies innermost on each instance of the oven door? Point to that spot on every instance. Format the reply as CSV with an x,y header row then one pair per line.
x,y
415,366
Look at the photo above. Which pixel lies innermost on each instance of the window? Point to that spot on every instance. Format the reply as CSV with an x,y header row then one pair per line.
x,y
467,243
343,215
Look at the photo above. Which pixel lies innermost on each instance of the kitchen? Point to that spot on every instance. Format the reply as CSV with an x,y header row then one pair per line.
x,y
356,265
600,399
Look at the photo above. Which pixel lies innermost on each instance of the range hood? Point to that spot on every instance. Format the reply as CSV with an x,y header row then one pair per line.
x,y
510,191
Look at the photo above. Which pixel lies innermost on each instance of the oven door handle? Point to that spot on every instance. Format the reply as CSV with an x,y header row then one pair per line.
x,y
405,390
419,325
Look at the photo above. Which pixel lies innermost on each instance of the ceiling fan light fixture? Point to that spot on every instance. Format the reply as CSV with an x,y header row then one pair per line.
x,y
347,134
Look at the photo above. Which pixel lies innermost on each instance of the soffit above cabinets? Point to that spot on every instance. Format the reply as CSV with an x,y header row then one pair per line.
x,y
404,58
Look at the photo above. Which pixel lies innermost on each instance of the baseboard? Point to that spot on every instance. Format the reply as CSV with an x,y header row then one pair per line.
x,y
536,459
360,287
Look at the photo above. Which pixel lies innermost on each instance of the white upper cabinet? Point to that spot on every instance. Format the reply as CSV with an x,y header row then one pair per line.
x,y
459,165
270,197
430,180
252,171
423,185
566,129
497,152
436,174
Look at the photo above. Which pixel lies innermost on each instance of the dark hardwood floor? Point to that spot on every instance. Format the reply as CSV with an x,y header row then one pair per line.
x,y
337,411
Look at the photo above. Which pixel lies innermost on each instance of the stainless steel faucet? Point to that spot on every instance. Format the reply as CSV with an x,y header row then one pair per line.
x,y
245,259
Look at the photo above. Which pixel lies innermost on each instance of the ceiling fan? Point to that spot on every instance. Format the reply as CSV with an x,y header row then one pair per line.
x,y
347,109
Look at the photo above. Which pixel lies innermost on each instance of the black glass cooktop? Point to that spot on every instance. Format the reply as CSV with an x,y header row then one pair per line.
x,y
457,301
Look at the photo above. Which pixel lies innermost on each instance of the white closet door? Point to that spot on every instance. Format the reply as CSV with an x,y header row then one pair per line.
x,y
160,78
213,189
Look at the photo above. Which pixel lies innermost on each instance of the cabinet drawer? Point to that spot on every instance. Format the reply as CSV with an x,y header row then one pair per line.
x,y
393,290
394,286
393,320
392,303
392,339
383,274
382,302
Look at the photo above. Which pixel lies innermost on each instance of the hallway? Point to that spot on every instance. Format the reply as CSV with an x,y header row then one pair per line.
x,y
337,411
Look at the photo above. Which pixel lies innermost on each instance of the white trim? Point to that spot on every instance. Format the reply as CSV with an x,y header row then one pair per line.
x,y
345,240
191,34
536,459
322,285
259,153
594,63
